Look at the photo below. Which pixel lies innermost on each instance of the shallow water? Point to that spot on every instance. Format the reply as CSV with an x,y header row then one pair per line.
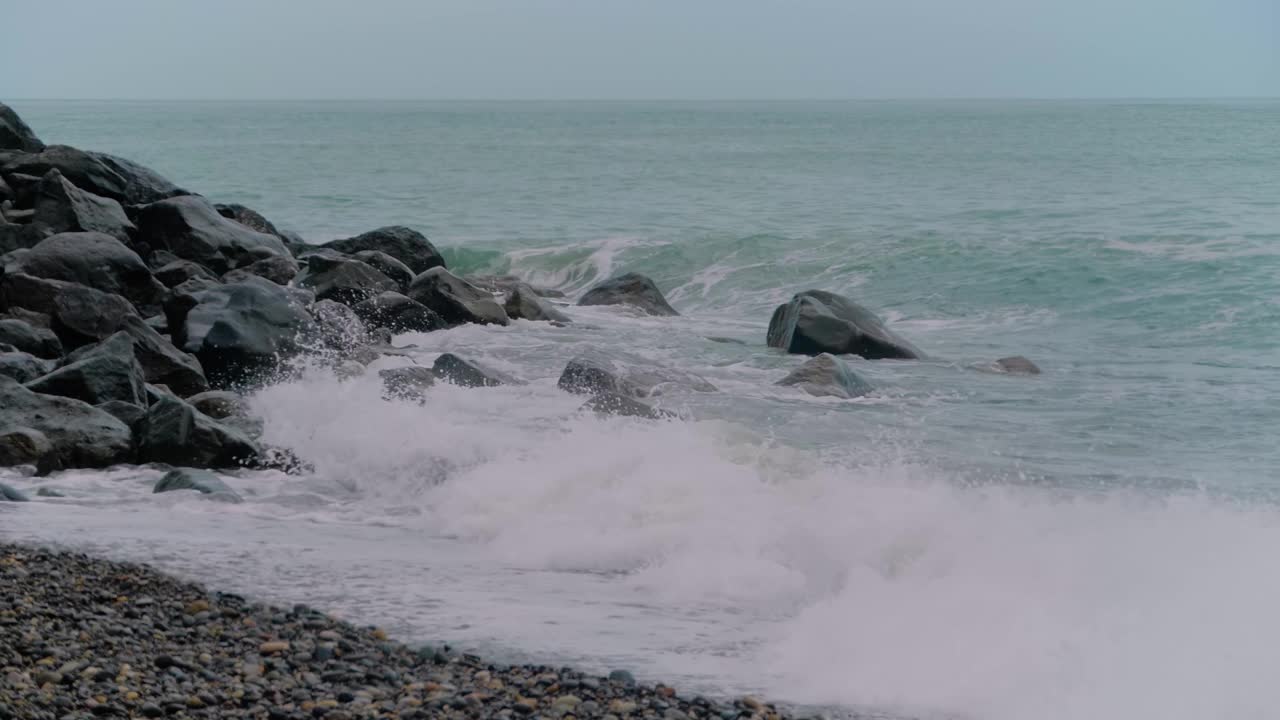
x,y
1097,541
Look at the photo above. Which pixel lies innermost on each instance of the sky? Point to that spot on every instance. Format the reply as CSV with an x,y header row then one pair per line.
x,y
638,49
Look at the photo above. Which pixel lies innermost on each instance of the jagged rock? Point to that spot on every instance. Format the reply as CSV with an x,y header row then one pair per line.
x,y
398,313
127,413
817,322
24,187
61,207
631,289
238,331
1014,365
189,227
609,403
178,434
41,342
82,435
202,481
827,375
523,303
9,493
593,371
338,326
343,280
175,273
404,244
79,314
14,133
35,319
25,446
387,265
451,368
22,367
219,404
83,170
103,372
406,383
455,300
142,185
161,362
19,237
248,217
94,260
279,269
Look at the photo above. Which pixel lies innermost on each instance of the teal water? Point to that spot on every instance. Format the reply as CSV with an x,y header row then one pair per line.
x,y
1097,541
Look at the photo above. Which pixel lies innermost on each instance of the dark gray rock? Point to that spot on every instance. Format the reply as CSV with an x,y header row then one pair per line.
x,y
83,169
178,434
248,217
404,244
406,383
24,446
1015,365
39,341
175,273
506,283
343,280
631,289
817,322
18,237
61,207
202,481
142,185
82,435
453,369
337,326
279,269
610,403
455,300
23,186
398,313
161,362
102,372
127,413
9,493
15,134
239,331
387,265
22,367
190,228
92,259
827,375
220,404
78,314
593,371
523,303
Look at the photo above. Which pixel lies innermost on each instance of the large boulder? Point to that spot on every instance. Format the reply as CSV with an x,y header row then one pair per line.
x,y
404,244
190,228
176,433
238,331
456,300
337,326
176,272
142,185
524,303
15,236
162,363
398,313
827,375
279,269
41,342
344,280
62,207
94,260
202,481
816,322
83,169
127,413
97,374
14,133
631,289
82,435
467,373
594,371
387,265
22,367
248,217
78,314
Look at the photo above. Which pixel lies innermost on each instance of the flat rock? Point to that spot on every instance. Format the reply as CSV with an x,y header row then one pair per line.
x,y
631,289
816,322
99,373
178,434
523,303
202,481
82,435
593,371
190,228
345,280
94,260
827,375
62,207
404,244
38,341
398,313
455,300
15,134
467,373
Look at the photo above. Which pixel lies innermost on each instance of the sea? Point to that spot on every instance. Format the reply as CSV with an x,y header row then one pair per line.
x,y
1099,541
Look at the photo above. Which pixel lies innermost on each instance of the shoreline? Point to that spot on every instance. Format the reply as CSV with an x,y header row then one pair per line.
x,y
99,638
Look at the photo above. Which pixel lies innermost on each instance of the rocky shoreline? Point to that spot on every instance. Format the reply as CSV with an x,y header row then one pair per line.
x,y
85,638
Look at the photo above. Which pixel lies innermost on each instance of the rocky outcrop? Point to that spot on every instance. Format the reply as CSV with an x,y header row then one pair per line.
x,y
238,332
593,372
38,341
404,244
523,303
62,207
81,435
387,265
14,133
190,228
178,434
94,260
816,322
398,313
455,300
343,280
827,375
467,373
631,289
202,481
100,373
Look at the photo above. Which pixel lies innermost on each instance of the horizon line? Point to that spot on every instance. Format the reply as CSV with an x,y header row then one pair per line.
x,y
906,98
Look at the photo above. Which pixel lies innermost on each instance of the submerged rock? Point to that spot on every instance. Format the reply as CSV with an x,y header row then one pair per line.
x,y
816,322
611,403
406,383
631,289
451,368
190,228
404,244
827,375
523,303
455,300
1014,365
202,481
593,371
81,435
